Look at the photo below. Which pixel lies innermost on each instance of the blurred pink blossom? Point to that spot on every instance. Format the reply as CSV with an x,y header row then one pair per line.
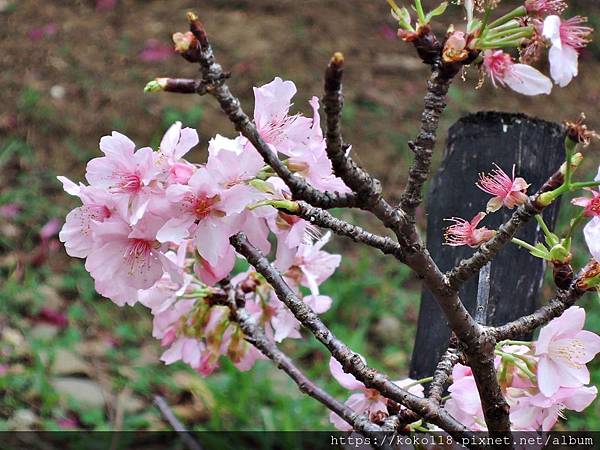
x,y
156,51
105,5
37,33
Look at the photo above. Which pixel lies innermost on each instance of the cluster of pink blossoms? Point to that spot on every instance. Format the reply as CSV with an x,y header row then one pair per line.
x,y
366,401
565,37
155,228
530,29
539,379
508,191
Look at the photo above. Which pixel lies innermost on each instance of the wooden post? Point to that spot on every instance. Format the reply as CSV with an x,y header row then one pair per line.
x,y
511,283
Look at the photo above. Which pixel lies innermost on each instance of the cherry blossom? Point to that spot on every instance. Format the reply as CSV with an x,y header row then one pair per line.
x,y
76,233
591,204
282,131
464,232
563,348
539,412
507,191
126,173
464,403
521,78
365,401
545,7
309,265
592,237
568,38
125,258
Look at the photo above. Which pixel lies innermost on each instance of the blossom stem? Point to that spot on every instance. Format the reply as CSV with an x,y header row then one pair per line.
x,y
584,184
497,34
420,12
523,244
517,12
419,381
540,220
574,223
513,342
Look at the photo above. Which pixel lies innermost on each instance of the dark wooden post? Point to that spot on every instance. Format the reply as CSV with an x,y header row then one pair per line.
x,y
474,144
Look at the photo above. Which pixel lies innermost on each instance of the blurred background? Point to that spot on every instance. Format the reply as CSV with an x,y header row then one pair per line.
x,y
72,71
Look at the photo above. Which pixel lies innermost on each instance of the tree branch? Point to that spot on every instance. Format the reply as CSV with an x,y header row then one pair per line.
x,y
442,373
527,324
324,219
257,337
350,361
422,146
367,188
168,414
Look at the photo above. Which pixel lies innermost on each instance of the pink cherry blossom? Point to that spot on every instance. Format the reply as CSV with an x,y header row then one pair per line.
x,y
271,115
125,173
310,265
592,237
126,258
366,401
167,289
591,205
545,7
76,233
199,212
507,191
538,412
175,144
265,308
463,232
564,348
568,38
212,274
464,404
521,78
311,161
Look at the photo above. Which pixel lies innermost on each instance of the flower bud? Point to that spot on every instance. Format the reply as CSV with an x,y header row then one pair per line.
x,y
455,47
184,41
156,85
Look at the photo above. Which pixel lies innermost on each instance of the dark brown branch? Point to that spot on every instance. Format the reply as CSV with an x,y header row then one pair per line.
x,y
324,219
442,374
366,187
422,146
257,337
526,324
350,361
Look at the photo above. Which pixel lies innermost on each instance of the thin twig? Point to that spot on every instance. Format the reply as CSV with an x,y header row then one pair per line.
x,y
257,337
442,374
324,219
169,416
526,324
422,146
